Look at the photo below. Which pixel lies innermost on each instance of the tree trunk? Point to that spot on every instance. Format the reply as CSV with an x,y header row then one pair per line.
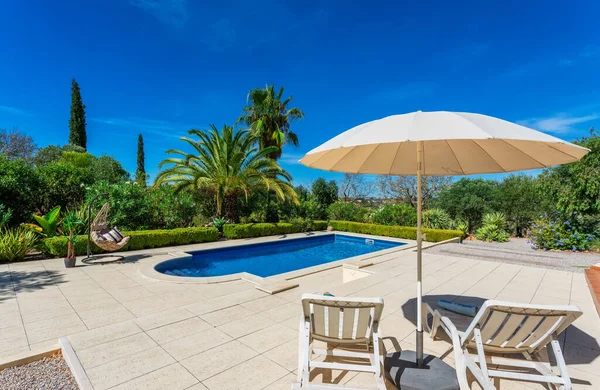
x,y
230,208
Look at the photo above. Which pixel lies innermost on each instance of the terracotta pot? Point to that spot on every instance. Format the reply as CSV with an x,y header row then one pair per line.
x,y
70,263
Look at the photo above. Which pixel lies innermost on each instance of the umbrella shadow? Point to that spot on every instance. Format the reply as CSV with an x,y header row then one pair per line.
x,y
581,348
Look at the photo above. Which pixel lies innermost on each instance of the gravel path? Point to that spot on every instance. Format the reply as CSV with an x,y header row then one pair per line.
x,y
518,251
47,373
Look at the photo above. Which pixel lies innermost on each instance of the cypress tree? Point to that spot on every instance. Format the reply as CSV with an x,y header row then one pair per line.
x,y
77,133
140,173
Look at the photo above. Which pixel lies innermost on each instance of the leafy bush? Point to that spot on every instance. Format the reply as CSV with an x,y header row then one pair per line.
x,y
406,232
5,214
400,214
19,188
493,228
342,211
15,243
144,239
301,224
47,224
259,229
462,226
319,225
436,219
133,207
557,232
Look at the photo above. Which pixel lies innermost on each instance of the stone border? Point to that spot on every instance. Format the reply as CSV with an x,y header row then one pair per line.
x,y
75,365
28,356
64,347
279,282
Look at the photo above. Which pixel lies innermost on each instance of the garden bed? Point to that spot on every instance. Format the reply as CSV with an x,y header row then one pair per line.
x,y
51,372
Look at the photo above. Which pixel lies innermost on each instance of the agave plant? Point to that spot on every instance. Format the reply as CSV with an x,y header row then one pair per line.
x,y
219,223
47,224
15,243
436,219
493,228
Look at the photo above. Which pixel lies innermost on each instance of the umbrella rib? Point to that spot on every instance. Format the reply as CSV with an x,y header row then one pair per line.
x,y
490,156
456,158
513,146
340,159
558,150
394,159
368,157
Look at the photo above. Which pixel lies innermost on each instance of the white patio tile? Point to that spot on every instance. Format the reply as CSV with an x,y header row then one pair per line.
x,y
253,374
219,359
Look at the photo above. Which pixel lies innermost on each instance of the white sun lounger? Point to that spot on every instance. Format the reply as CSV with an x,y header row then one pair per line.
x,y
501,328
339,322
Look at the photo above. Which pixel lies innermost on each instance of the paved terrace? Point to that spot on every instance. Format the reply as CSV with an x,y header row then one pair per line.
x,y
133,332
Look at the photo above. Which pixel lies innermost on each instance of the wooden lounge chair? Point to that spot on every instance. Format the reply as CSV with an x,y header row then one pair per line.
x,y
501,328
343,324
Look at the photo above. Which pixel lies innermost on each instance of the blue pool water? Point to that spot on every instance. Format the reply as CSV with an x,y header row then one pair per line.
x,y
272,258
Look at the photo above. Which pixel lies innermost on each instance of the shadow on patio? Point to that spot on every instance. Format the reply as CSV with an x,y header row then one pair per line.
x,y
27,281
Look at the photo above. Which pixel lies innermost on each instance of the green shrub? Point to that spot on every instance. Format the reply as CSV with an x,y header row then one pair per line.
x,y
436,219
247,230
342,211
559,232
493,228
15,243
400,214
406,232
319,225
301,224
143,239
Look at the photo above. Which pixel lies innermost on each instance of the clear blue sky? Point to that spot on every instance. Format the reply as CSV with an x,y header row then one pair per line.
x,y
160,67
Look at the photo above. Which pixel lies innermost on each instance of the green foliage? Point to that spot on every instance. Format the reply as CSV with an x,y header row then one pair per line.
x,y
259,229
493,228
519,198
219,223
270,119
70,223
319,225
134,207
106,168
406,232
324,193
15,243
227,164
400,214
301,224
19,188
469,199
48,224
342,211
54,153
436,219
5,214
63,184
77,131
145,239
463,227
575,188
558,231
140,173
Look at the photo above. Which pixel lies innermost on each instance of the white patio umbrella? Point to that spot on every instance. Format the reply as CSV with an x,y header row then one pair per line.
x,y
439,143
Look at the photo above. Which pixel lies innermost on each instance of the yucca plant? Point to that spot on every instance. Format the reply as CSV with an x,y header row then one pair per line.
x,y
437,219
493,228
15,243
70,224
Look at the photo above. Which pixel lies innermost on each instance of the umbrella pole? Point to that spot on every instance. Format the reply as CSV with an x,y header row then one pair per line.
x,y
419,263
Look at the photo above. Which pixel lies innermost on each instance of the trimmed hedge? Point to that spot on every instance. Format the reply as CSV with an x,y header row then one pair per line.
x,y
143,239
407,232
319,225
247,230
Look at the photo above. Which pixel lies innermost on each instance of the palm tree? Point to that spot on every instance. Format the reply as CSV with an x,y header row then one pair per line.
x,y
269,119
228,164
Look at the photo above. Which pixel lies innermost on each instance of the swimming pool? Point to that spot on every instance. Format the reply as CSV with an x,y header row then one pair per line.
x,y
272,258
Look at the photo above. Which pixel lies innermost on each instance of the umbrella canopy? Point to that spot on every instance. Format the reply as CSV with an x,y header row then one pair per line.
x,y
439,143
454,143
